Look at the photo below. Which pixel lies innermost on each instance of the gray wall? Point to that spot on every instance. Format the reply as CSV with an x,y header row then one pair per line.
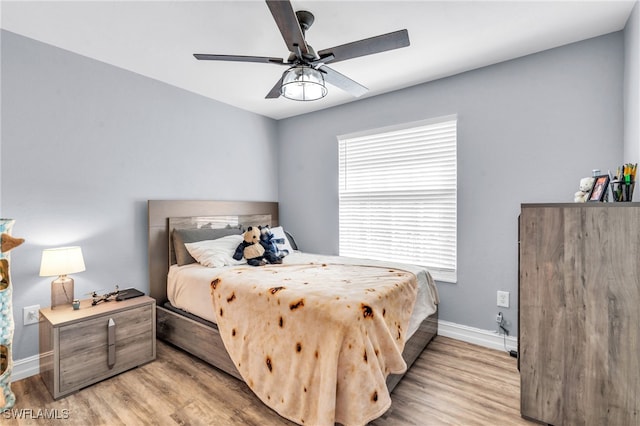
x,y
85,144
632,89
528,130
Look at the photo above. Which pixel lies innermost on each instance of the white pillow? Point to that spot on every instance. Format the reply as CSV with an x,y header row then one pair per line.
x,y
216,253
278,232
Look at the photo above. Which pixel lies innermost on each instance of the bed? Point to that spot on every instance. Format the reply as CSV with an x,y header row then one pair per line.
x,y
196,331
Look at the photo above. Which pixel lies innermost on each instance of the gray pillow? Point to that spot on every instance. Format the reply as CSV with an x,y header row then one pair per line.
x,y
182,236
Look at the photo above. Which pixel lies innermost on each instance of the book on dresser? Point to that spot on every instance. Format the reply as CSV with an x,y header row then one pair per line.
x,y
579,313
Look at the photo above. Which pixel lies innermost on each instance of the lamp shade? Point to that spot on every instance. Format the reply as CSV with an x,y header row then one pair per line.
x,y
61,261
303,83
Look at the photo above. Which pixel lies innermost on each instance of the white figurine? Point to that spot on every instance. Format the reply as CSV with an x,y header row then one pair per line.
x,y
585,188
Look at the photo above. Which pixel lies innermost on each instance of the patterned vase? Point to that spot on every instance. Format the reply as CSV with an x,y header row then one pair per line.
x,y
7,398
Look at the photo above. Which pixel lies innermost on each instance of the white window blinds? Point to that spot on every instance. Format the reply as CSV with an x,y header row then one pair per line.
x,y
398,195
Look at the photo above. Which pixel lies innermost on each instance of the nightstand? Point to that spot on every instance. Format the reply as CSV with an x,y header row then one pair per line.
x,y
84,346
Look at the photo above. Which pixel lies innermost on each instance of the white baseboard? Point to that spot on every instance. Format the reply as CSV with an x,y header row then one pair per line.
x,y
26,367
487,338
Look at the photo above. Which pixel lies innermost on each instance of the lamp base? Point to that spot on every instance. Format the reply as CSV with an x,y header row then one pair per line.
x,y
61,292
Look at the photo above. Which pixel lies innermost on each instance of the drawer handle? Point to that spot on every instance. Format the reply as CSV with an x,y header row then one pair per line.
x,y
111,343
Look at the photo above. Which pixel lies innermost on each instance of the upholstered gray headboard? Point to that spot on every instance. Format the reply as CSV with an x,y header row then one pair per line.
x,y
159,212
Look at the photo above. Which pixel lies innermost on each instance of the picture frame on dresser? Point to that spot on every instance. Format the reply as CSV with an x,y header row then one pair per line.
x,y
599,189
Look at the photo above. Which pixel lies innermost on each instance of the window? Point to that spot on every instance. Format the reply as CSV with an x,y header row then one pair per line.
x,y
398,195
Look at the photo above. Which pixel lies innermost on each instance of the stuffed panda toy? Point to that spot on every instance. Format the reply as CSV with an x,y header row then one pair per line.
x,y
251,249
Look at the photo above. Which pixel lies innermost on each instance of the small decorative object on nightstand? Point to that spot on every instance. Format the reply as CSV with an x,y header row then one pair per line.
x,y
84,346
61,261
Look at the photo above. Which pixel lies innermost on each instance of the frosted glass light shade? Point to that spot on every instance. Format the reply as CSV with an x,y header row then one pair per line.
x,y
303,83
61,261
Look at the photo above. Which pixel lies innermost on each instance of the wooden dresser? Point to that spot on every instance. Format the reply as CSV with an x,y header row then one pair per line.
x,y
579,313
78,348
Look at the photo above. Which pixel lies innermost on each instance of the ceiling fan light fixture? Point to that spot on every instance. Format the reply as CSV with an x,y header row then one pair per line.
x,y
303,83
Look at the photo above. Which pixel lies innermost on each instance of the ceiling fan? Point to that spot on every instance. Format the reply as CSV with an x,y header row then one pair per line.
x,y
308,70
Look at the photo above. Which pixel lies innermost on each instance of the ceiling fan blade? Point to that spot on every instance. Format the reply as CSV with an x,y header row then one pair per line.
x,y
342,81
287,22
238,58
367,46
275,91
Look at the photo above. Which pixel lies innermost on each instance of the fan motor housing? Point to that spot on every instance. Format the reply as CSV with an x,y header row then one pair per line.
x,y
305,19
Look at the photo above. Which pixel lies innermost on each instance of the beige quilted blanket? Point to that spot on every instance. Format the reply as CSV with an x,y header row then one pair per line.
x,y
315,342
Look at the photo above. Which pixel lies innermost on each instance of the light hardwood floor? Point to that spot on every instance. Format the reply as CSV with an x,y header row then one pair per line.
x,y
451,383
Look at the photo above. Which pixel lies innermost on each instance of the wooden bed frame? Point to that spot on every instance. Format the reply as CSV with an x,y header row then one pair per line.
x,y
203,340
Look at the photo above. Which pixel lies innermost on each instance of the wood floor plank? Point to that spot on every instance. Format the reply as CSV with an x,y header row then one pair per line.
x,y
451,383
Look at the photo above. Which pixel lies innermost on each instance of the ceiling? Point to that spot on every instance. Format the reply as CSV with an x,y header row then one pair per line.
x,y
157,39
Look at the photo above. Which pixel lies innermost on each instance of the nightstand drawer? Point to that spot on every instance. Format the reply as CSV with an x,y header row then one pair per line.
x,y
84,346
76,350
92,333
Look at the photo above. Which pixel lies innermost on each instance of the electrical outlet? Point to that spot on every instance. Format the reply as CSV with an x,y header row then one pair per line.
x,y
503,299
30,314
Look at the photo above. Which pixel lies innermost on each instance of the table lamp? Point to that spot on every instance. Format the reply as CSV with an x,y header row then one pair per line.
x,y
61,261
